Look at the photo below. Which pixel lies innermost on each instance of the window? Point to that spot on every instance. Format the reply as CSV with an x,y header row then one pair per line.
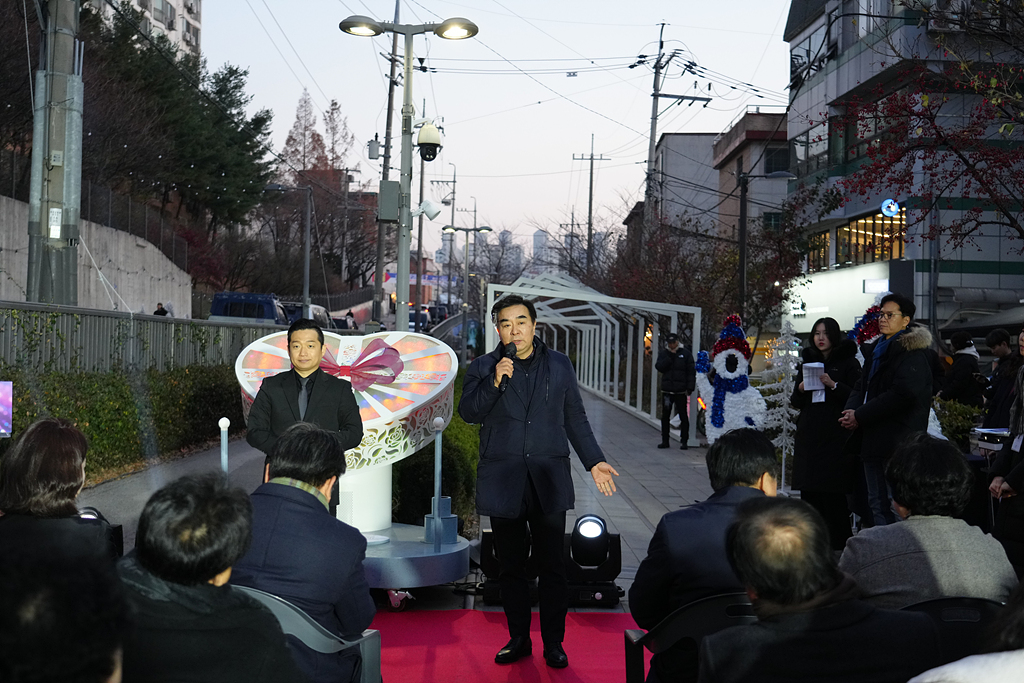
x,y
776,159
870,239
810,150
818,252
772,220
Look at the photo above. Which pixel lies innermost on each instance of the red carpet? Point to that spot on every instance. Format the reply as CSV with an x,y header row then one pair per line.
x,y
459,646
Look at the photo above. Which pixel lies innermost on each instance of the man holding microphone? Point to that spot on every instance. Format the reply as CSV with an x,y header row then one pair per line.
x,y
527,400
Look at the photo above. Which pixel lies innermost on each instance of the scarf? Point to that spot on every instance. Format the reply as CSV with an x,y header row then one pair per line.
x,y
880,348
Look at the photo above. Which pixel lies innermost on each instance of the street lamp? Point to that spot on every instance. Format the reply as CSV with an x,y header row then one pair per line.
x,y
465,283
451,29
743,179
274,187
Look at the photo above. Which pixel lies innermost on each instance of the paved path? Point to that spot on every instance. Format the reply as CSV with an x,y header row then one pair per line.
x,y
652,482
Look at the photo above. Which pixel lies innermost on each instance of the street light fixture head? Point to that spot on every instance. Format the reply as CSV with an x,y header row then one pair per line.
x,y
359,25
484,228
781,175
428,209
449,229
456,28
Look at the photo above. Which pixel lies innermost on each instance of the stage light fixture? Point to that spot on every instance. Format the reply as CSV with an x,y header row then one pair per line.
x,y
589,544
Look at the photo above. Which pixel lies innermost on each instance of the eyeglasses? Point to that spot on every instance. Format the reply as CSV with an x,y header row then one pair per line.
x,y
889,316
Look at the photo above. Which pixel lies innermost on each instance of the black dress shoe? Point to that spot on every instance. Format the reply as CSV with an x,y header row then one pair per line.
x,y
663,445
516,648
683,447
555,656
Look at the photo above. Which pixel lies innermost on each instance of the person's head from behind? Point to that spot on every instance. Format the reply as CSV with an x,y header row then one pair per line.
x,y
961,340
307,453
62,620
44,470
780,550
743,457
929,476
998,343
192,530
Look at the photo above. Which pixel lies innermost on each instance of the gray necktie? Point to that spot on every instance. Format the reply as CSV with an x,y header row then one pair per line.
x,y
303,397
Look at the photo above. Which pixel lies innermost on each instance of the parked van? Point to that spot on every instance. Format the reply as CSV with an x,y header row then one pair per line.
x,y
245,307
319,314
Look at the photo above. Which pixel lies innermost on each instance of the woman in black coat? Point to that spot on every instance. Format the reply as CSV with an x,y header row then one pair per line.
x,y
960,384
821,471
40,478
1008,483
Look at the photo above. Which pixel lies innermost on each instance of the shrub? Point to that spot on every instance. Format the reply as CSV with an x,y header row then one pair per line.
x,y
121,414
956,421
413,478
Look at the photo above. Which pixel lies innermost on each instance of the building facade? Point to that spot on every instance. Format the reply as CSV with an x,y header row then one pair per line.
x,y
859,51
180,21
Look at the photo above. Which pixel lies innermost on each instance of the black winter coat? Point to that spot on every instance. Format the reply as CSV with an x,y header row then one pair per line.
x,y
960,384
1001,393
678,375
899,396
527,431
819,463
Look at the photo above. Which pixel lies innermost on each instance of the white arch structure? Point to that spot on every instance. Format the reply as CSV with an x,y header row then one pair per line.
x,y
608,332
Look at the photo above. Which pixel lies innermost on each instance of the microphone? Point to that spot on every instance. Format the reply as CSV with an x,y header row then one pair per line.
x,y
509,352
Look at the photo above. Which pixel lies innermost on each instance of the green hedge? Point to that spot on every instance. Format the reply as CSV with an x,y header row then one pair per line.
x,y
128,417
413,478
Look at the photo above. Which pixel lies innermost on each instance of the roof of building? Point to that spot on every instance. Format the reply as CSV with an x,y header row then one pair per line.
x,y
801,14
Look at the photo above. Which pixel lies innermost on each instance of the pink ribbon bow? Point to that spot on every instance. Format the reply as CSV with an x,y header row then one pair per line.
x,y
378,363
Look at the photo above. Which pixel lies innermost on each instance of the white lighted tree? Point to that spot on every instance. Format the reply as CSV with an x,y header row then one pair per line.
x,y
780,377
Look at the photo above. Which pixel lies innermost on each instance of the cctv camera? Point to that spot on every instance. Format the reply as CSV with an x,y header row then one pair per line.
x,y
429,141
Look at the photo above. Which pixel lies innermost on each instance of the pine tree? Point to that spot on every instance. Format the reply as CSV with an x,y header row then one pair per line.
x,y
780,378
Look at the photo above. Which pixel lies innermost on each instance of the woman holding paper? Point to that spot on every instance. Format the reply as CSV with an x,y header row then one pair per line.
x,y
821,472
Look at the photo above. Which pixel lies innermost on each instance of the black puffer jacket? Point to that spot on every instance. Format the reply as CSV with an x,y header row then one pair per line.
x,y
899,396
527,430
819,463
678,375
960,384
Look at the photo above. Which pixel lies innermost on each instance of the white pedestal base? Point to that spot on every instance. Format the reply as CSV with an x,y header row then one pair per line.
x,y
364,498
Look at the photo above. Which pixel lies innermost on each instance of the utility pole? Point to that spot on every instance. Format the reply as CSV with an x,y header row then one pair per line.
x,y
450,237
378,273
56,183
652,146
419,243
590,204
571,249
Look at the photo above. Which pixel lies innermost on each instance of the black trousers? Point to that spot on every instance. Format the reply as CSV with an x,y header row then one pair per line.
x,y
679,401
513,547
833,508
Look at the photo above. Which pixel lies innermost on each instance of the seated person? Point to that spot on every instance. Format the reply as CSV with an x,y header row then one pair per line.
x,y
1002,651
301,553
931,554
189,624
811,626
40,479
62,619
686,559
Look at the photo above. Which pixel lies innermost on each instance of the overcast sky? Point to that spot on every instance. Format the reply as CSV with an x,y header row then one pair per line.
x,y
521,99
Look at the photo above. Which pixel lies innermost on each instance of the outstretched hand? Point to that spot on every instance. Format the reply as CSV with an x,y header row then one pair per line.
x,y
602,473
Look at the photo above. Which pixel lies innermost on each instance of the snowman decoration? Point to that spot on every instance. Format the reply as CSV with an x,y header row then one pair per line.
x,y
732,402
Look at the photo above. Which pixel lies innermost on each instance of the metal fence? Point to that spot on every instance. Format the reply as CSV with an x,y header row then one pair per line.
x,y
68,339
103,206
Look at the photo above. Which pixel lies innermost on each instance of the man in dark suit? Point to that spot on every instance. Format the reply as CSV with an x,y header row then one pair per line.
x,y
686,560
301,553
811,624
524,479
304,394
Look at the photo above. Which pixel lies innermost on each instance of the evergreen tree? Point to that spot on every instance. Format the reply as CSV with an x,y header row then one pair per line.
x,y
779,379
